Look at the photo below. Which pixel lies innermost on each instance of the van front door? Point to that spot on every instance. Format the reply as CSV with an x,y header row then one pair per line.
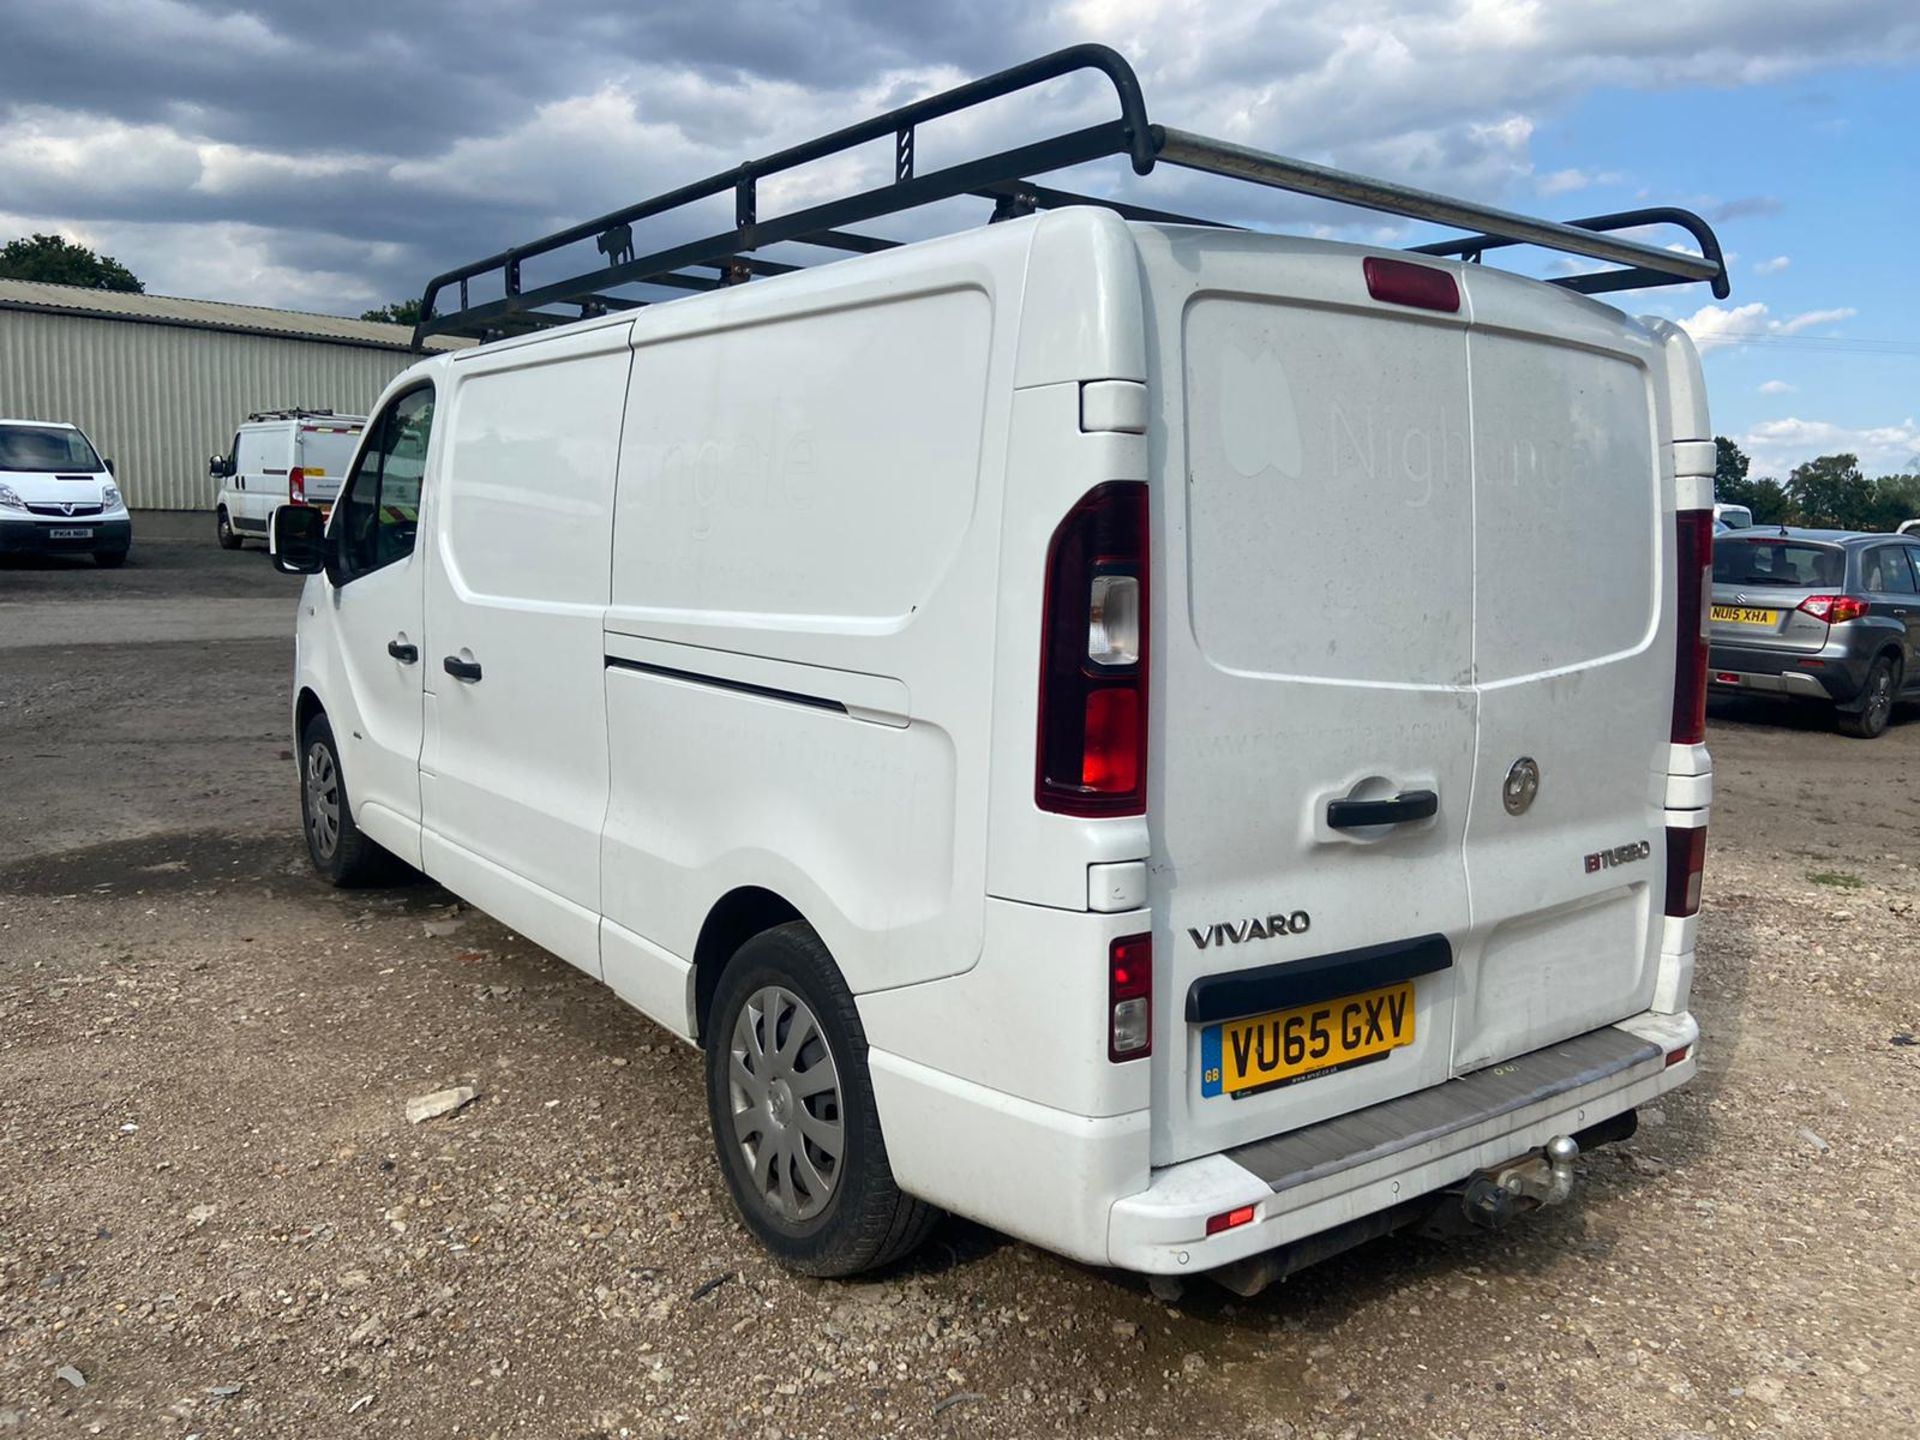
x,y
378,601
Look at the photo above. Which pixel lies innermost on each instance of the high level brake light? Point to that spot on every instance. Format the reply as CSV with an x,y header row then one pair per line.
x,y
1692,590
1401,282
297,485
1834,609
1092,751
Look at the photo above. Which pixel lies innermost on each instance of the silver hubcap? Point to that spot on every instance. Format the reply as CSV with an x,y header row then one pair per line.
x,y
1881,701
323,801
785,1095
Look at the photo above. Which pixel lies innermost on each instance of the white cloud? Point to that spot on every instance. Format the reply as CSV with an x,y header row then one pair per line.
x,y
1775,387
1773,266
1564,182
1713,326
1776,446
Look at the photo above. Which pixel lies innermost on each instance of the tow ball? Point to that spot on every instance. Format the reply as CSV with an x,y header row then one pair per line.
x,y
1493,1197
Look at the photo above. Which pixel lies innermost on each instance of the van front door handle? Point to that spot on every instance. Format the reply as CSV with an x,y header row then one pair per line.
x,y
1359,814
461,669
405,654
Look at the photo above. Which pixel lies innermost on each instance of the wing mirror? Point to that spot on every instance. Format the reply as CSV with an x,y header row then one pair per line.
x,y
298,540
217,467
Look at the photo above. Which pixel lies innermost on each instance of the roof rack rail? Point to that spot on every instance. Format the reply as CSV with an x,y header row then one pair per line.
x,y
290,412
729,256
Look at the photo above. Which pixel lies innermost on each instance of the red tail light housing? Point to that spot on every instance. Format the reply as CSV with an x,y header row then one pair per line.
x,y
1686,864
1693,588
1092,749
1401,282
297,485
1130,998
1834,609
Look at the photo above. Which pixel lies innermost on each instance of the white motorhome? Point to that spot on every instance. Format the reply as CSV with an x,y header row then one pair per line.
x,y
280,457
1181,744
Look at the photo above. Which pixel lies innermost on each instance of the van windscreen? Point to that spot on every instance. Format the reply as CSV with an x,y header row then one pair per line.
x,y
1795,563
45,448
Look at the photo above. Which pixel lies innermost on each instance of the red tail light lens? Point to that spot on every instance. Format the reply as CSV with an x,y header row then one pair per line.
x,y
297,485
1693,586
1229,1219
1401,282
1092,751
1130,998
1686,864
1834,609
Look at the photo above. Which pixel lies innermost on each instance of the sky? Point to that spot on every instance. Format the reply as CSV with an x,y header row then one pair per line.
x,y
334,157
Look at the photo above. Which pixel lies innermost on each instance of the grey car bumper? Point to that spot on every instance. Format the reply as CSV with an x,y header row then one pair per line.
x,y
1835,673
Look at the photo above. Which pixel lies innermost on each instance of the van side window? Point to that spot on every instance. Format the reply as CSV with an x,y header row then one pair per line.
x,y
381,503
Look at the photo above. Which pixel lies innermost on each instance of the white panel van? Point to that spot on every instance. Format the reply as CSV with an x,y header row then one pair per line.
x,y
280,457
1179,744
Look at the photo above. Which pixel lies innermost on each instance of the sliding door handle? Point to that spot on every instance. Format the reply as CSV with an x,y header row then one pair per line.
x,y
468,670
1359,814
404,653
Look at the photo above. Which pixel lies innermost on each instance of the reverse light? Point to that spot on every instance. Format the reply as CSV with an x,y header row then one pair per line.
x,y
1834,609
1692,591
1401,282
1686,865
1229,1219
1092,748
297,485
1130,998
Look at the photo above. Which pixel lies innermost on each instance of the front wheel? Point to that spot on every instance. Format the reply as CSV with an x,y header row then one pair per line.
x,y
338,848
223,530
793,1116
1867,718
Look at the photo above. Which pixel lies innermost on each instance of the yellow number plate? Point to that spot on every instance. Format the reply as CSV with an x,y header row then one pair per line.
x,y
1745,615
1283,1045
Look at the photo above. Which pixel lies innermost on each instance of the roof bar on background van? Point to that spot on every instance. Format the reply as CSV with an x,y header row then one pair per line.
x,y
728,257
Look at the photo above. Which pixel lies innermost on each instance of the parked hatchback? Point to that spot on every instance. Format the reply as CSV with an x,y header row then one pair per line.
x,y
1822,615
57,496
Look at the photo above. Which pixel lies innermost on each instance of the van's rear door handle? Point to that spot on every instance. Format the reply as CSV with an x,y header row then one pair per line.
x,y
461,669
1359,814
405,654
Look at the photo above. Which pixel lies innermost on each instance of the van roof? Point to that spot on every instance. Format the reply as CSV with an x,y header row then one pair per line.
x,y
732,256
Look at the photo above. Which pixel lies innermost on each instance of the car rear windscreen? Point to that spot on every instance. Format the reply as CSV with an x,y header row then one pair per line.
x,y
1795,563
43,448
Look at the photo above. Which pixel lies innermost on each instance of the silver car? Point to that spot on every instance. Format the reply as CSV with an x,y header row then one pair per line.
x,y
1825,615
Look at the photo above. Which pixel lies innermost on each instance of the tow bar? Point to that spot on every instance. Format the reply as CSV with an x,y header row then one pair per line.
x,y
1493,1197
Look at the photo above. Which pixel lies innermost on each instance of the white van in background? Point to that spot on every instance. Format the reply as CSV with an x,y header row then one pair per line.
x,y
1734,517
280,457
1181,744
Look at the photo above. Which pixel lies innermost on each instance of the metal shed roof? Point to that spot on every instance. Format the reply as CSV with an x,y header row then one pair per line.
x,y
208,315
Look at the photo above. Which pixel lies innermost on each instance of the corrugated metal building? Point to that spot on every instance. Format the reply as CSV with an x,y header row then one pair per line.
x,y
160,383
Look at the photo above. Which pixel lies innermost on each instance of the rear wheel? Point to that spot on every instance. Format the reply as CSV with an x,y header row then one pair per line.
x,y
794,1121
223,530
338,848
1867,717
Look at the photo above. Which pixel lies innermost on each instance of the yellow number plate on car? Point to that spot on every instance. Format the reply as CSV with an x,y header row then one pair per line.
x,y
1284,1045
1745,615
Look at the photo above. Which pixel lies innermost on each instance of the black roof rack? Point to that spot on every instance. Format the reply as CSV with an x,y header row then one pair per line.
x,y
729,257
294,412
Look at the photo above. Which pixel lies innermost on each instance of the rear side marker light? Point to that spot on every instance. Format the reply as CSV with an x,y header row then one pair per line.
x,y
1674,1057
1834,609
1692,590
1230,1220
1130,998
1686,863
1401,282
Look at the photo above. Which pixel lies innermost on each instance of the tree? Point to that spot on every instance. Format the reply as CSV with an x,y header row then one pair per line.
x,y
1831,493
1730,465
1767,499
1896,499
399,312
60,261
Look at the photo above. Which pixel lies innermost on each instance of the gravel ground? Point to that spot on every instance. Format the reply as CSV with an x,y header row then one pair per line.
x,y
215,1214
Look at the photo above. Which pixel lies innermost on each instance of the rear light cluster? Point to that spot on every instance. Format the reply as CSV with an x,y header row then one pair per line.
x,y
1692,588
297,485
1686,863
1130,998
1834,609
1092,757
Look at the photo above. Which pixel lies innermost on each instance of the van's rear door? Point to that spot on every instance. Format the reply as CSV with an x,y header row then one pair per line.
x,y
1573,656
1313,644
326,450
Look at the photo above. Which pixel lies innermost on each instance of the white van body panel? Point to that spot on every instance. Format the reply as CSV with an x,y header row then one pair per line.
x,y
266,452
756,583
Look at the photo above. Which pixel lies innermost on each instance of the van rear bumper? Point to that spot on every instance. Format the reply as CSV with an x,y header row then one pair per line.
x,y
1331,1174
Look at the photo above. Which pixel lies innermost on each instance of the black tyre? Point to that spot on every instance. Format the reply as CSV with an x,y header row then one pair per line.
x,y
794,1122
223,530
338,848
1867,717
109,559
